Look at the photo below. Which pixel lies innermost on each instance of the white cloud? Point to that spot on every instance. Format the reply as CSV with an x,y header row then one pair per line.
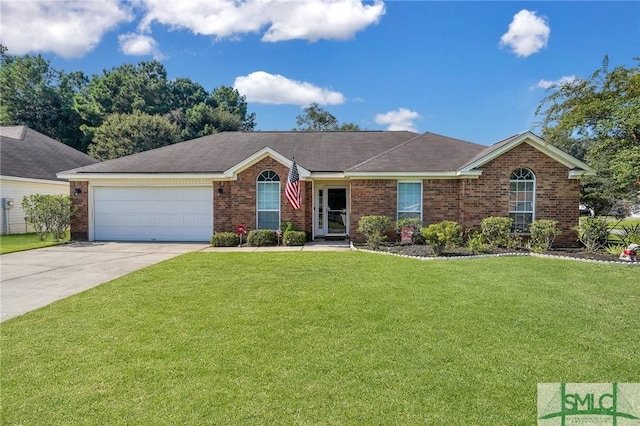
x,y
400,119
284,19
528,33
545,84
67,28
265,88
139,45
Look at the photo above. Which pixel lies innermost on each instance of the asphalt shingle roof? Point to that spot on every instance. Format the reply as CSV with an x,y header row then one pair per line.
x,y
365,151
25,153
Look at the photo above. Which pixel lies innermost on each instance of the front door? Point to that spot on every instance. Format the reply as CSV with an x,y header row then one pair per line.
x,y
336,208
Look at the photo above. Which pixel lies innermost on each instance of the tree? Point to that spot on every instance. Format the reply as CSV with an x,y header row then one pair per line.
x,y
317,119
124,89
125,134
48,213
229,99
598,120
36,95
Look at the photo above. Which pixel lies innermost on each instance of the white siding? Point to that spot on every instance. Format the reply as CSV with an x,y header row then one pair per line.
x,y
18,189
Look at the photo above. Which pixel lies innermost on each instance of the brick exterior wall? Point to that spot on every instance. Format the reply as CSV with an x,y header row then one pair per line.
x,y
80,219
237,204
557,197
371,197
466,201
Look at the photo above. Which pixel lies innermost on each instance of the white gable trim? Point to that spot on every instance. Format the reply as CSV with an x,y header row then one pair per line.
x,y
578,168
47,181
233,171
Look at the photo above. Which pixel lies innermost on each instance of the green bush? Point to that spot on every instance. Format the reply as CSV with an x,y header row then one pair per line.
x,y
225,239
543,233
287,226
262,237
476,243
497,230
374,229
593,232
444,234
48,213
294,238
630,234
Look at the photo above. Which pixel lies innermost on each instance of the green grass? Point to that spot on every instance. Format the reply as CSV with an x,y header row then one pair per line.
x,y
20,242
321,339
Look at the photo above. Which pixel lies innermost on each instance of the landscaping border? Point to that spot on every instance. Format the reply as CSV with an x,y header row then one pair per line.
x,y
512,254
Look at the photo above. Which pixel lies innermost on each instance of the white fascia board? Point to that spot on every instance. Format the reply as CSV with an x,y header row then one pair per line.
x,y
327,176
232,172
579,173
125,176
29,180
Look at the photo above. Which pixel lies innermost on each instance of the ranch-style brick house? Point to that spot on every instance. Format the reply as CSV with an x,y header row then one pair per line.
x,y
190,190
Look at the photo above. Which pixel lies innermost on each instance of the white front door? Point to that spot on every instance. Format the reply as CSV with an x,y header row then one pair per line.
x,y
331,212
152,213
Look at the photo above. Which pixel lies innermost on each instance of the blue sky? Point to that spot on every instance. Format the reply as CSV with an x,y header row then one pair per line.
x,y
470,70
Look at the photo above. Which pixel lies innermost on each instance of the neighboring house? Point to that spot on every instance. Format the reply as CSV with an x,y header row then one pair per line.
x,y
188,191
29,162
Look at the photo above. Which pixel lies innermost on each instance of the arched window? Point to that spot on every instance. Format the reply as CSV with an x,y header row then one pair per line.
x,y
268,202
522,199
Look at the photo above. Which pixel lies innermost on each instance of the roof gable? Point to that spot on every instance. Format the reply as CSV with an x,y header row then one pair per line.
x,y
576,167
28,154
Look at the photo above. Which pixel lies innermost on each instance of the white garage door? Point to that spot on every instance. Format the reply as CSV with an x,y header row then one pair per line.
x,y
153,213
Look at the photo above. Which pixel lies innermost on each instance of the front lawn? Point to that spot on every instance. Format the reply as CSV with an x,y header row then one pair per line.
x,y
321,338
20,242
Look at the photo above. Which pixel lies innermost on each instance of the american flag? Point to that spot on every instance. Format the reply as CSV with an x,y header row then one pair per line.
x,y
292,190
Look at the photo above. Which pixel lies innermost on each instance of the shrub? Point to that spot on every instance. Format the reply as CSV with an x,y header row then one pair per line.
x,y
497,230
630,234
225,239
476,243
288,226
543,233
262,237
444,234
294,238
48,213
615,249
374,229
593,232
413,222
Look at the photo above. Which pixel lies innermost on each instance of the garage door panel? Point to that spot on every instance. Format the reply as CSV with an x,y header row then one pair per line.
x,y
153,213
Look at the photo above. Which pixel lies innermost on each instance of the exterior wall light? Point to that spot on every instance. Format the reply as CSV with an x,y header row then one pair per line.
x,y
220,191
77,191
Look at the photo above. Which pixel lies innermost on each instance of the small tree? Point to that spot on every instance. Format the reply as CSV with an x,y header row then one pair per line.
x,y
374,229
48,213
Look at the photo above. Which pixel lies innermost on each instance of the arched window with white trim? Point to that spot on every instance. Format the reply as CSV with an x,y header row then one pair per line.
x,y
268,200
522,199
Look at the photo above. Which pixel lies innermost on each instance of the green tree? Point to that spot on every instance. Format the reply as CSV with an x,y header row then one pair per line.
x,y
48,213
36,95
124,89
317,119
598,120
228,99
125,134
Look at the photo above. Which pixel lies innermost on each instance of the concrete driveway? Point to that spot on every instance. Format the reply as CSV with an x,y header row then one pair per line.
x,y
35,278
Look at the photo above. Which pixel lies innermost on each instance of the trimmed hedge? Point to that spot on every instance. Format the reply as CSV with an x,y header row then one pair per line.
x,y
262,237
225,239
294,238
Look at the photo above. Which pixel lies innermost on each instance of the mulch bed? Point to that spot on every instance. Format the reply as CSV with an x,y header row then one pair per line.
x,y
416,250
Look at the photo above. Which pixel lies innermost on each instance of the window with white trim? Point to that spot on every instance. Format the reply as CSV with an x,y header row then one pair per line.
x,y
268,202
522,195
409,200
